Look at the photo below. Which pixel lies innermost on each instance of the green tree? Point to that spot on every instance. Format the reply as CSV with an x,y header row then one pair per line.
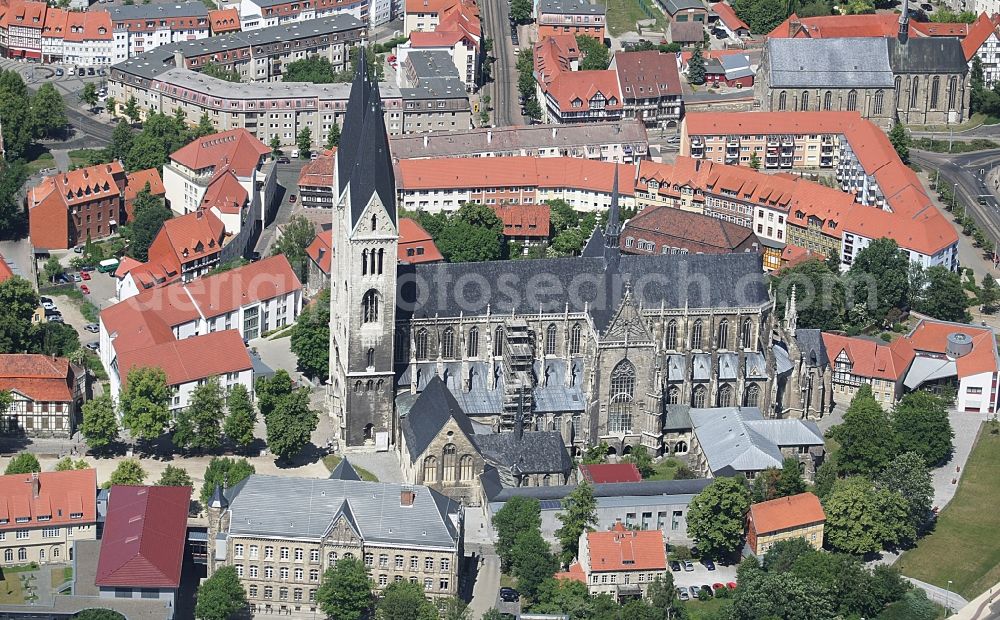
x,y
224,472
200,425
562,596
128,473
275,145
48,111
221,596
920,421
147,151
908,475
100,424
761,15
89,94
778,595
315,69
403,600
12,212
944,298
52,269
6,400
696,67
291,424
15,115
783,554
272,389
56,339
23,463
310,340
790,481
861,519
144,403
642,461
532,561
132,112
520,514
595,53
220,72
333,137
880,278
754,161
205,127
19,301
240,422
112,106
98,614
765,485
989,294
578,515
715,517
866,438
121,141
346,590
454,608
296,236
494,614
473,233
977,83
900,141
304,142
174,477
819,294
520,11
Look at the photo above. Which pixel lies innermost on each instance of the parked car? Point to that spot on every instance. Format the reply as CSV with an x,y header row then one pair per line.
x,y
284,160
85,289
688,566
51,312
92,328
709,564
93,346
60,72
54,319
675,565
509,595
706,588
718,586
694,591
78,249
90,71
76,277
62,278
85,274
291,198
48,305
682,594
731,585
87,268
43,299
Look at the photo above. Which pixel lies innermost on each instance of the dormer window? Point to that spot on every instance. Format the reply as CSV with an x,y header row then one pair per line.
x,y
22,519
76,515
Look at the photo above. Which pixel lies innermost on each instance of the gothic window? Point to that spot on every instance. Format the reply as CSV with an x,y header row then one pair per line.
x,y
369,386
450,462
914,91
752,395
699,396
550,339
430,469
673,395
877,103
804,102
465,472
828,100
782,98
371,262
472,346
747,336
680,447
402,344
852,100
574,339
498,341
448,343
357,387
370,358
722,342
725,398
622,393
935,91
952,92
696,335
364,262
420,344
369,306
897,87
671,340
381,254
374,223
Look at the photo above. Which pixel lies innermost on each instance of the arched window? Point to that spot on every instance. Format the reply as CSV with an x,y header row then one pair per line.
x,y
897,87
877,103
804,101
448,343
364,262
722,342
8,555
369,306
914,91
670,342
546,480
472,346
550,339
681,447
574,339
370,358
746,337
852,100
498,341
751,396
696,335
465,469
381,254
22,554
420,343
622,393
450,463
828,100
952,92
699,396
725,397
935,91
673,395
430,469
371,262
374,222
782,100
369,385
357,387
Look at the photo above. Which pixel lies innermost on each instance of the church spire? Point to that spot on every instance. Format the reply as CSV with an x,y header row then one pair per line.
x,y
904,23
613,229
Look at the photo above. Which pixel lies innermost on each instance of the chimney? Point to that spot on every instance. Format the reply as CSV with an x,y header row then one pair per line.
x,y
35,485
406,496
179,59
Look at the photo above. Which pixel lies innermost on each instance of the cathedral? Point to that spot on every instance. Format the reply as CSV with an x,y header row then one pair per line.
x,y
592,348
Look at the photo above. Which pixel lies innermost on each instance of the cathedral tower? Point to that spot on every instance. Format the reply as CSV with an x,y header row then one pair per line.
x,y
363,271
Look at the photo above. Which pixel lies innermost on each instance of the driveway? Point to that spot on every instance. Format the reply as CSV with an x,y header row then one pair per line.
x,y
18,256
701,576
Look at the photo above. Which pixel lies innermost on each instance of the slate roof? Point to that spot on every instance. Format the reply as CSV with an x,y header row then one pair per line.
x,y
811,345
535,452
344,471
927,55
427,416
260,506
738,439
614,489
840,63
363,161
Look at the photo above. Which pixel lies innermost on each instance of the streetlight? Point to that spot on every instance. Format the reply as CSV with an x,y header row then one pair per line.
x,y
948,597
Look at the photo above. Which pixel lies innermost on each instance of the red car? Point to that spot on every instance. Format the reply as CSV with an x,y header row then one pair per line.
x,y
84,289
718,586
731,585
85,275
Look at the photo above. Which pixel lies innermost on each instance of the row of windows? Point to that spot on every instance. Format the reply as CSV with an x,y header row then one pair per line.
x,y
722,335
724,398
550,345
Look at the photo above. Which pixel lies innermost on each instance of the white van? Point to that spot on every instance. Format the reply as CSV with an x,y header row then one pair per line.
x,y
295,153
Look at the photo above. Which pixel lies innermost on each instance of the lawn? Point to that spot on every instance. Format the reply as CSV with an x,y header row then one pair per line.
x,y
965,547
11,592
86,157
957,146
60,575
666,469
623,15
332,460
697,610
44,159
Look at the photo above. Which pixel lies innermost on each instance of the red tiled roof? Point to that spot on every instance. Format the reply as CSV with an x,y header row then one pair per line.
x,y
428,6
568,87
188,237
869,358
665,225
932,336
555,54
136,181
622,549
438,38
88,26
125,265
25,14
190,359
5,271
81,185
939,29
611,472
39,377
237,148
524,220
647,74
529,172
55,23
412,236
319,172
144,536
61,495
837,26
321,250
792,255
786,512
227,291
224,20
729,17
225,193
575,573
979,31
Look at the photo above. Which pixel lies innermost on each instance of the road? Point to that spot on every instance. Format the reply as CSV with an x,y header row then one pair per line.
x,y
503,89
963,172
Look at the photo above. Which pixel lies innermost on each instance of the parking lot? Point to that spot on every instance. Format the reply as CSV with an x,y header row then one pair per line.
x,y
701,576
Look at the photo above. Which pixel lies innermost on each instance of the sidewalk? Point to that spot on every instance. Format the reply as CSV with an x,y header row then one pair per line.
x,y
983,607
950,600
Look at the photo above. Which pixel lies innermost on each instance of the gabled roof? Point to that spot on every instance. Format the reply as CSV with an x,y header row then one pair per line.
x,y
80,186
225,193
39,377
739,439
64,497
579,87
224,20
786,513
534,452
344,471
927,55
687,32
428,415
136,181
817,63
647,74
626,550
321,250
190,359
319,171
979,32
88,26
837,26
237,148
189,237
931,336
5,271
869,358
412,236
144,536
524,220
729,17
664,225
